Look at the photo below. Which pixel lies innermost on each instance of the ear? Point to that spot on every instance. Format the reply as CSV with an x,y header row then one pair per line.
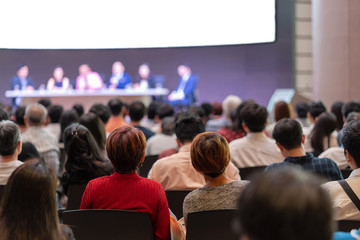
x,y
143,158
303,139
266,123
19,147
179,144
280,146
246,129
350,160
25,120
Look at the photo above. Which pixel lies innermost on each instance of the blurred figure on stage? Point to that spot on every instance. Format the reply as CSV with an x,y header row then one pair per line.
x,y
119,78
144,79
184,94
58,81
21,81
88,79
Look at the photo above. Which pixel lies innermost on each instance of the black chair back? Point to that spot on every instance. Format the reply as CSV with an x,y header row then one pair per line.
x,y
95,224
175,200
146,165
248,172
348,225
74,194
2,187
211,225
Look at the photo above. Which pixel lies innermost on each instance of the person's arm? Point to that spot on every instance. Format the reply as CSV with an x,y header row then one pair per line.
x,y
50,84
66,83
162,222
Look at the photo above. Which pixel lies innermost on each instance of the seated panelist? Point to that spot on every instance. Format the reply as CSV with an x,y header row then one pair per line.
x,y
22,81
58,81
119,78
87,79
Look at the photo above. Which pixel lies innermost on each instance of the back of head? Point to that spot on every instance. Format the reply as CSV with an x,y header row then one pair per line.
x,y
352,106
95,126
282,110
188,126
352,116
35,114
197,110
217,109
323,127
151,111
210,154
316,108
115,105
102,111
67,118
79,108
3,114
230,103
19,115
168,126
238,120
165,110
28,208
302,109
288,133
254,116
46,102
336,110
9,137
351,139
54,112
207,108
285,204
136,111
125,147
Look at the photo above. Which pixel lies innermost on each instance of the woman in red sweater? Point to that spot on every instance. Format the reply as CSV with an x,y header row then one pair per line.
x,y
125,189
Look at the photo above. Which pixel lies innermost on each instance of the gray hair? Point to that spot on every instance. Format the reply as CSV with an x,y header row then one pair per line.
x,y
230,103
9,137
35,114
168,126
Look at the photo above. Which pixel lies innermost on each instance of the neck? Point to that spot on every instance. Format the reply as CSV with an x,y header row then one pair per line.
x,y
220,180
9,158
296,152
135,123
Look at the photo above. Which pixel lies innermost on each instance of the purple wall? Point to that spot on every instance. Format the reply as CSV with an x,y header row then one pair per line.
x,y
249,71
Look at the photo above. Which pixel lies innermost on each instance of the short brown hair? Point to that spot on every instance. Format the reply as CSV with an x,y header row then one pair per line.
x,y
210,154
125,148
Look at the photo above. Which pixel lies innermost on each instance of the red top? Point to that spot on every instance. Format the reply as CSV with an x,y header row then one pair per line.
x,y
231,135
130,192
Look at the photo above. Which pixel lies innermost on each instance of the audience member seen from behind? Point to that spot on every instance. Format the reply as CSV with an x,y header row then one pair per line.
x,y
28,208
125,189
137,111
150,122
301,110
28,152
302,212
10,148
58,81
19,118
256,149
346,109
102,111
119,78
176,172
87,79
117,118
336,110
54,114
163,110
289,139
3,114
79,108
344,207
67,118
84,161
281,110
210,156
323,135
46,102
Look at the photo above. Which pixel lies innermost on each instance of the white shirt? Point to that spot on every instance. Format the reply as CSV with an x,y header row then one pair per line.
x,y
160,142
344,208
255,149
337,155
6,169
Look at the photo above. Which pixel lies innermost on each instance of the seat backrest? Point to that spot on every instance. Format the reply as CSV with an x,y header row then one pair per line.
x,y
211,225
175,200
74,194
146,165
248,172
2,187
95,224
348,225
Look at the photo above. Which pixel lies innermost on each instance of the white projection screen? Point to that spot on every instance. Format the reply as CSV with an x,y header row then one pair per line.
x,y
106,24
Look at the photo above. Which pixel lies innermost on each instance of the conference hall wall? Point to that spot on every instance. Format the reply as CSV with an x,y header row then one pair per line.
x,y
249,71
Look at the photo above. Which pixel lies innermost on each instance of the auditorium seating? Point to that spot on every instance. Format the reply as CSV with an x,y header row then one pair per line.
x,y
211,225
74,194
145,167
175,200
247,172
95,224
347,225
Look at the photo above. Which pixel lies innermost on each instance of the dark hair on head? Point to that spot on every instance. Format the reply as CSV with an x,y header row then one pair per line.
x,y
28,207
351,139
336,110
288,133
4,115
303,206
254,116
67,118
165,110
207,108
302,109
54,113
126,148
282,110
82,151
196,110
46,102
79,109
217,108
136,111
9,137
21,65
28,151
210,154
19,115
323,128
188,126
96,127
352,106
168,126
151,110
102,111
239,121
316,108
352,116
115,105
